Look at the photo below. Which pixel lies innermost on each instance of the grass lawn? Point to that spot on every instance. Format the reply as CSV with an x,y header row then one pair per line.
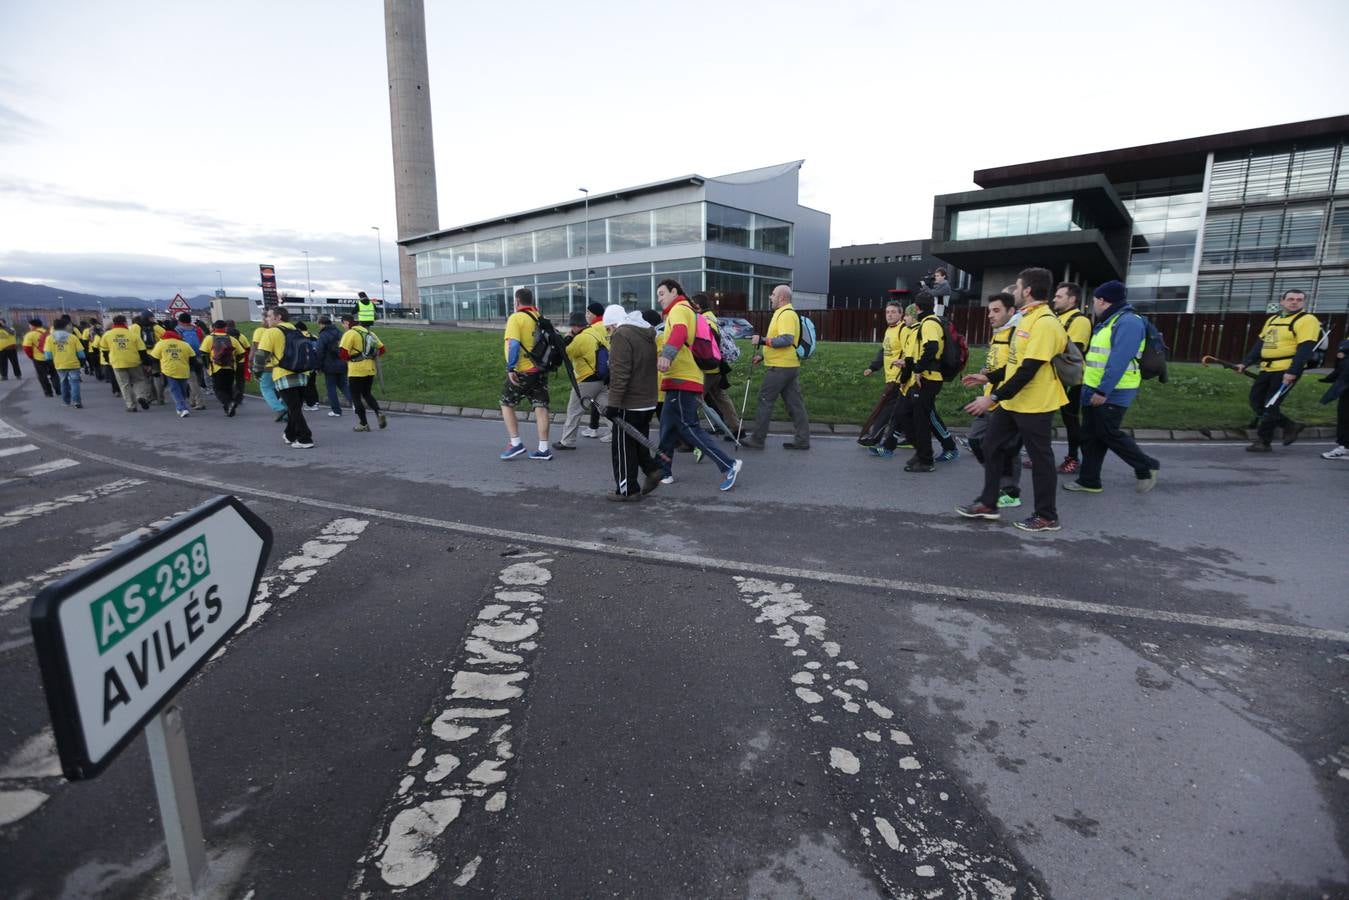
x,y
465,368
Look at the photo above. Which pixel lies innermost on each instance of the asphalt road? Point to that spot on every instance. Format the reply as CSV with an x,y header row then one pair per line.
x,y
477,678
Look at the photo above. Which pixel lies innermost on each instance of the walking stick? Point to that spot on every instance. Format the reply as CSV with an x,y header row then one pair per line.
x,y
744,403
1205,360
619,422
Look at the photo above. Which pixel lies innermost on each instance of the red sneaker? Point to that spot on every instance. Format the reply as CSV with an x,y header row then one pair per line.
x,y
1069,466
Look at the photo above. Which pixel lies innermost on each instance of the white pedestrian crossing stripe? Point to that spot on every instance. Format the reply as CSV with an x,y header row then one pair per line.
x,y
15,451
55,465
9,431
23,513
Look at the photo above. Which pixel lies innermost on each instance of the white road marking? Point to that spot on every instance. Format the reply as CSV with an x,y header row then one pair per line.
x,y
24,772
40,469
15,451
734,567
487,687
24,513
9,431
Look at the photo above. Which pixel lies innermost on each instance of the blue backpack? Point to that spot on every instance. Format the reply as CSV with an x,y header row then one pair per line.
x,y
805,338
601,364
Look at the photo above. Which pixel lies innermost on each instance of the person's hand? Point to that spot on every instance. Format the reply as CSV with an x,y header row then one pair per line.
x,y
758,358
513,377
973,379
866,373
1241,367
1097,400
662,364
754,340
978,406
897,364
1289,378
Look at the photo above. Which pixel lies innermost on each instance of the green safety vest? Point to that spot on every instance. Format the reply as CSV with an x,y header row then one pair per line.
x,y
1098,354
365,311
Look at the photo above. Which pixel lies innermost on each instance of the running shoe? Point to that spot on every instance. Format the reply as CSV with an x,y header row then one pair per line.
x,y
511,451
302,445
367,428
1069,466
977,510
1039,523
1007,501
729,481
334,415
1078,487
948,455
1339,452
383,422
541,455
881,452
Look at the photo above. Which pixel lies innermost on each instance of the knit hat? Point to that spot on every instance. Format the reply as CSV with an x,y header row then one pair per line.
x,y
613,315
596,309
578,319
1112,292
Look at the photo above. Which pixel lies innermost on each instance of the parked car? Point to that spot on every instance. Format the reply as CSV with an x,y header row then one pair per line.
x,y
740,329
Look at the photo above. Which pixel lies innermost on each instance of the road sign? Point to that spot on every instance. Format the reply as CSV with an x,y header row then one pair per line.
x,y
116,640
179,305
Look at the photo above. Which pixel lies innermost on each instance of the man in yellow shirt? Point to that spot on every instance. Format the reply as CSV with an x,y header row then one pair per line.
x,y
1002,319
289,385
65,353
525,382
1285,345
886,361
124,350
174,356
33,340
224,357
1027,393
1067,303
588,350
9,352
782,375
920,381
359,348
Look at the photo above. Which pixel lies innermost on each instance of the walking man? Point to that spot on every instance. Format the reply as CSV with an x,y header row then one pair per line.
x,y
777,352
1002,318
65,354
33,340
717,385
1027,393
1110,382
288,384
125,352
358,351
188,334
922,381
589,355
223,356
1067,300
632,399
525,381
331,362
174,356
1286,344
9,352
266,388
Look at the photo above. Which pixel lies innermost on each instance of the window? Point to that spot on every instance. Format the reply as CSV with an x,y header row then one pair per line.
x,y
577,236
520,249
1311,170
1267,176
630,232
728,226
1337,237
679,224
550,244
1301,234
465,260
490,254
1026,218
774,236
1259,236
1228,182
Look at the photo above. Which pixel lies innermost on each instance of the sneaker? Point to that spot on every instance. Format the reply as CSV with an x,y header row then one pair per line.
x,y
311,407
794,445
750,444
383,422
183,414
79,406
285,440
868,441
302,445
511,451
729,481
1069,466
367,428
920,466
145,404
333,415
589,433
1007,501
904,444
541,455
1339,452
667,479
1039,523
607,437
558,445
1258,447
881,452
1146,484
948,455
1289,434
1078,487
977,510
697,454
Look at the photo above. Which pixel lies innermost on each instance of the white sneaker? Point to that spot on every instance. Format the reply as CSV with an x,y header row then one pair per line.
x,y
1340,452
607,438
333,415
589,432
302,445
668,479
182,414
311,407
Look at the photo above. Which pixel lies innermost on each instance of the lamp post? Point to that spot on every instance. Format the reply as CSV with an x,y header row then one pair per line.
x,y
379,239
586,191
308,285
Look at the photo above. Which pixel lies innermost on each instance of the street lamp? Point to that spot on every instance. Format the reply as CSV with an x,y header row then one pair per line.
x,y
586,191
307,284
379,239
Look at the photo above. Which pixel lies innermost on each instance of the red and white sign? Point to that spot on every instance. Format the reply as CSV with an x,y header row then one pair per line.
x,y
179,305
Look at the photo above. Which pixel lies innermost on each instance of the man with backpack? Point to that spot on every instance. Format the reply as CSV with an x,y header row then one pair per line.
x,y
358,351
716,385
224,355
526,380
33,340
289,355
189,334
333,366
588,351
1287,343
1110,382
921,381
1067,299
777,352
150,332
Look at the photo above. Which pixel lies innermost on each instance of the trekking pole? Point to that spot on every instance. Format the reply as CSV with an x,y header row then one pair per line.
x,y
1205,360
744,403
379,371
587,404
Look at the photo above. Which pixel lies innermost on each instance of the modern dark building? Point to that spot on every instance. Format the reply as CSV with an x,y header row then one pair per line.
x,y
1219,223
864,275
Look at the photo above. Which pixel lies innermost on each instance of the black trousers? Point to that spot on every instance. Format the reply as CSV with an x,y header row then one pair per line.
x,y
1342,420
47,378
1100,433
9,357
222,383
238,394
630,457
310,392
297,429
361,397
1035,431
1265,386
1072,420
913,416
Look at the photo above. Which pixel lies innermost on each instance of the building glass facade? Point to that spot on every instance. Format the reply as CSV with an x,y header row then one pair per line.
x,y
1044,217
1166,215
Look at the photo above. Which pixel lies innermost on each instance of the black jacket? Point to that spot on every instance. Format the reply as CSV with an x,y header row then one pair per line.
x,y
329,360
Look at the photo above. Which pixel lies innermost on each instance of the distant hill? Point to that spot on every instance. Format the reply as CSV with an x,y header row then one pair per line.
x,y
39,296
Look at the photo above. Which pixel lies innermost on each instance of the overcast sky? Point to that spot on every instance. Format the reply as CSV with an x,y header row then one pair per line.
x,y
146,145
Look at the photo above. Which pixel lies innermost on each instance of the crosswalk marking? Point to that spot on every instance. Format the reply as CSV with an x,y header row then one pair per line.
x,y
55,465
9,431
14,451
24,513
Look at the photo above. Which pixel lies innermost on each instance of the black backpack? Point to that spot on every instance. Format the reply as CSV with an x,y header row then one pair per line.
x,y
301,352
550,348
1152,361
955,354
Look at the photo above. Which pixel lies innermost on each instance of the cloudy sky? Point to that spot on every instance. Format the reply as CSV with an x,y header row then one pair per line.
x,y
146,145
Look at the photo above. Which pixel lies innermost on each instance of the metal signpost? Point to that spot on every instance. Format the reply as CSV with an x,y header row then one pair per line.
x,y
118,639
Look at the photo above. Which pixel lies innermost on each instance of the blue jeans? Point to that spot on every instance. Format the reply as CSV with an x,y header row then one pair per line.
x,y
679,419
70,385
337,381
178,388
269,393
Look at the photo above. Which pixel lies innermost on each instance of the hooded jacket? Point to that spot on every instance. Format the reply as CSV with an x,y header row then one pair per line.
x,y
632,365
1125,337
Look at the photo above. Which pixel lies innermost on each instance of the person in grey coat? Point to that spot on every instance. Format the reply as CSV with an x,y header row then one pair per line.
x,y
633,389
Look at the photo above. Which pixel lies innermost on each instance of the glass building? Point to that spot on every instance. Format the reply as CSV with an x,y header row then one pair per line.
x,y
734,237
1219,223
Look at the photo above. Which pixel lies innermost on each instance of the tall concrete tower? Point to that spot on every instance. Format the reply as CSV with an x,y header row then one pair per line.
x,y
414,158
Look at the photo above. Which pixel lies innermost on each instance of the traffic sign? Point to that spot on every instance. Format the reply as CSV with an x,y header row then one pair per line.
x,y
179,305
116,640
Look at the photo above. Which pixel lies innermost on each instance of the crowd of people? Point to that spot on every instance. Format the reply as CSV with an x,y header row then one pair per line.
x,y
148,362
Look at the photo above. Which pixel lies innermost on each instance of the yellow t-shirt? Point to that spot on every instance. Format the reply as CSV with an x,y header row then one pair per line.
x,y
784,321
173,355
892,347
273,341
999,345
208,345
519,327
683,373
354,342
122,347
1078,326
585,347
1280,338
7,339
32,340
1039,335
928,330
65,350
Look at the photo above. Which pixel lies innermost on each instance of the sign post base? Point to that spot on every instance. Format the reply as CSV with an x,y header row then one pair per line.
x,y
177,796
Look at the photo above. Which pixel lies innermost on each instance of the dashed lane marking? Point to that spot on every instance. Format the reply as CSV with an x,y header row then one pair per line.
x,y
15,451
24,513
736,567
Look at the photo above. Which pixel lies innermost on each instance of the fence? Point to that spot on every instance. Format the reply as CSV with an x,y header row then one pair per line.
x,y
1188,335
